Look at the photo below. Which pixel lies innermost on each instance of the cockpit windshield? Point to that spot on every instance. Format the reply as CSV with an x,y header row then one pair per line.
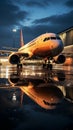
x,y
51,38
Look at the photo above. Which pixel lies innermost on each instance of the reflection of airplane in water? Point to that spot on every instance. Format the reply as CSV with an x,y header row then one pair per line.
x,y
44,92
47,46
47,96
48,90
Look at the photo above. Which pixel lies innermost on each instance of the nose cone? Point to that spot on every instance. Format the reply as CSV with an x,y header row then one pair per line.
x,y
57,47
60,46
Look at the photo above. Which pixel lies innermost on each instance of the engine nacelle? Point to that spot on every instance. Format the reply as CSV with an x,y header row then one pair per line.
x,y
60,59
14,58
13,79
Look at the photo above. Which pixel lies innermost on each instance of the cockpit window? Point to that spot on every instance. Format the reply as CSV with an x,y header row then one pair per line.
x,y
51,38
47,38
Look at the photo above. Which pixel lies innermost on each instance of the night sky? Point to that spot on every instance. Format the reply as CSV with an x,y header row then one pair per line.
x,y
34,18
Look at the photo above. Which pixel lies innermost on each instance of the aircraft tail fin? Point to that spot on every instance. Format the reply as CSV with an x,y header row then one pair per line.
x,y
21,38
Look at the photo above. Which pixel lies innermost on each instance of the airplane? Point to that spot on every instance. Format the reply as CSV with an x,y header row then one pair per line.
x,y
46,46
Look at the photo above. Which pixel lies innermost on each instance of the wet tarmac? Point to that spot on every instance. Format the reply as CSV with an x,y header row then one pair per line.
x,y
33,98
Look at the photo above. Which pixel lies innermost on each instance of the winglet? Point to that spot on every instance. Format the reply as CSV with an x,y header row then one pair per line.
x,y
21,38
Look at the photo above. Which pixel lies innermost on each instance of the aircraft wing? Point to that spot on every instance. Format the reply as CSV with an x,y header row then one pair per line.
x,y
5,52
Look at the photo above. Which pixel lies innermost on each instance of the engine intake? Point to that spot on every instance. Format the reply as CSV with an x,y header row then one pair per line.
x,y
13,79
60,59
14,59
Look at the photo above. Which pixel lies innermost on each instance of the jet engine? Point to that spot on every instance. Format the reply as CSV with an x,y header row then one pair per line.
x,y
60,59
14,58
13,79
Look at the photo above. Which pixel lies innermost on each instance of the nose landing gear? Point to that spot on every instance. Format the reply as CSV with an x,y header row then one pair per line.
x,y
47,65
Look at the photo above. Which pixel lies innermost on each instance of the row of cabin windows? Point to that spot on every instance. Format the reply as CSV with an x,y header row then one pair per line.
x,y
51,38
51,104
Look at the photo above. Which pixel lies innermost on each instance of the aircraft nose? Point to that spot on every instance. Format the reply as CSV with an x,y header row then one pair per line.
x,y
60,46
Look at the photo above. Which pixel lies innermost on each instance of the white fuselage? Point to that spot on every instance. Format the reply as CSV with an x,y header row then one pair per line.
x,y
48,44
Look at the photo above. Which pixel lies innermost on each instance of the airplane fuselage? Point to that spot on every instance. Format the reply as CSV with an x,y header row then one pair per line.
x,y
48,44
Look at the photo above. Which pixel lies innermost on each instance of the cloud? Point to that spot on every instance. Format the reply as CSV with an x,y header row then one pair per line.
x,y
11,14
69,3
56,19
55,23
33,3
63,20
19,14
42,3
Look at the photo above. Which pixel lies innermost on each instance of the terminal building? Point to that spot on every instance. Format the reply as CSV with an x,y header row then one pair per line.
x,y
67,36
